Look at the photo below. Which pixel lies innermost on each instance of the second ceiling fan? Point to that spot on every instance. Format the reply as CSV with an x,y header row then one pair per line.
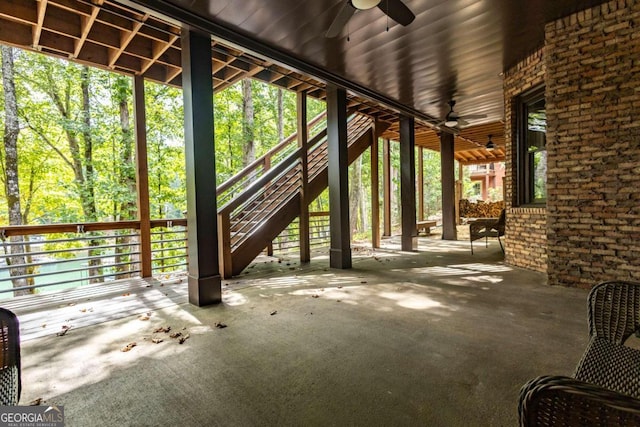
x,y
394,9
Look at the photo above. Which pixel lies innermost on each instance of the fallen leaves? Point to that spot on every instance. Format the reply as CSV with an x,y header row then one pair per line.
x,y
145,316
220,325
63,332
274,312
128,347
164,329
36,402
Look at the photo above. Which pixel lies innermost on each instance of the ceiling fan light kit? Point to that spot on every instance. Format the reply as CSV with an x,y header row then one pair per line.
x,y
394,9
365,4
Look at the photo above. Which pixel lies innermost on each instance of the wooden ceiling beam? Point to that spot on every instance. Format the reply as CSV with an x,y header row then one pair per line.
x,y
37,30
86,23
158,49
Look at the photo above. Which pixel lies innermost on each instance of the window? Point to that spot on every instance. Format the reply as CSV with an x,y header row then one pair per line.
x,y
532,148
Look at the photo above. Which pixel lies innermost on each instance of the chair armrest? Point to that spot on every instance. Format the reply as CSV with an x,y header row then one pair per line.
x,y
566,401
614,310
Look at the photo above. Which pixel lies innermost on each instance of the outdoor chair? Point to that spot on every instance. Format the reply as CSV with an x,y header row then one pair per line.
x,y
10,382
487,227
605,389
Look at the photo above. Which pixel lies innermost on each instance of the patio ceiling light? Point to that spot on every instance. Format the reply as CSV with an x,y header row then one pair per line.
x,y
365,4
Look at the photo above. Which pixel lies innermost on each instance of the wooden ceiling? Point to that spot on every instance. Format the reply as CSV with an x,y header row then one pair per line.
x,y
131,39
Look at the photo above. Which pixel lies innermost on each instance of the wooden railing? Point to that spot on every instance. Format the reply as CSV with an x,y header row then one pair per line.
x,y
258,212
240,181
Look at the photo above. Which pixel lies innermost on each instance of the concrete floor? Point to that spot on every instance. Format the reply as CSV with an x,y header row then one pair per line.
x,y
433,338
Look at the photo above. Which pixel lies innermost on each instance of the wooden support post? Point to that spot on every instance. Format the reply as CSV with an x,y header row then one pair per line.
x,y
305,250
447,172
142,176
375,192
338,170
409,240
386,182
420,183
197,88
459,189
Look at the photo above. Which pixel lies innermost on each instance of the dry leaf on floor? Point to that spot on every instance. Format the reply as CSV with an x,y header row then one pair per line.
x,y
126,294
274,312
65,329
183,339
164,329
175,335
83,310
157,340
36,402
128,346
44,325
143,317
220,325
315,296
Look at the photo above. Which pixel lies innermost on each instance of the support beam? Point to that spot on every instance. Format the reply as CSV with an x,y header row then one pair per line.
x,y
386,182
301,105
459,193
409,240
142,175
338,169
197,88
447,171
375,192
420,184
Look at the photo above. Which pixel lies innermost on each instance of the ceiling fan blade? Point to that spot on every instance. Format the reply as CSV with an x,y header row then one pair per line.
x,y
341,20
397,11
474,116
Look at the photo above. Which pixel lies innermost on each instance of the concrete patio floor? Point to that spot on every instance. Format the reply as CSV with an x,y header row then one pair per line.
x,y
436,337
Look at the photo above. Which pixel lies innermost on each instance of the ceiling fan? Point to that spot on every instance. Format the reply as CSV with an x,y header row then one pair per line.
x,y
453,120
394,9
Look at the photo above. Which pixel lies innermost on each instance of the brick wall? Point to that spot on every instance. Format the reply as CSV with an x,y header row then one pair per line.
x,y
526,228
593,141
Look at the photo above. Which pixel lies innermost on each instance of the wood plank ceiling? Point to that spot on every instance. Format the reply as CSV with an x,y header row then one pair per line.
x,y
130,39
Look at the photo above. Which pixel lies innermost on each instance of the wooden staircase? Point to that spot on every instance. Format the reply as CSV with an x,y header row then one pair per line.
x,y
263,199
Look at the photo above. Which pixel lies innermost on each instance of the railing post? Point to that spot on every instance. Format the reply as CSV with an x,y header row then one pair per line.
x,y
224,242
142,176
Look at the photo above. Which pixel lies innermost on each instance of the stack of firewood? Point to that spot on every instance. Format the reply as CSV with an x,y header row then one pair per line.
x,y
480,209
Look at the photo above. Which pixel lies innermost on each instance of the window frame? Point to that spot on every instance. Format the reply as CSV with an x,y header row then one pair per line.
x,y
525,180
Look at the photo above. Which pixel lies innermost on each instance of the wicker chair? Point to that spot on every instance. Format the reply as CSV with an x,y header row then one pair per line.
x,y
10,382
605,389
485,228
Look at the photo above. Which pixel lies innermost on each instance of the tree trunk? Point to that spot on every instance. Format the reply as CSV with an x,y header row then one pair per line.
x,y
249,154
11,180
87,190
355,195
127,179
280,109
